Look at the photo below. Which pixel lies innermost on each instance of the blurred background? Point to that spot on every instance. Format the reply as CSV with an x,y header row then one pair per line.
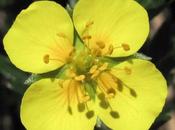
x,y
160,46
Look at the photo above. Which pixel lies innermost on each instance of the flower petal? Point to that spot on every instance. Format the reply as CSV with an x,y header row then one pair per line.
x,y
139,98
122,24
41,37
45,106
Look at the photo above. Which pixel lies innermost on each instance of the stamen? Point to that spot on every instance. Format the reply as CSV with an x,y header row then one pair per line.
x,y
85,99
128,70
100,44
93,69
68,96
81,107
80,77
62,35
110,49
88,24
95,74
96,52
103,67
110,95
86,37
126,47
114,114
125,69
60,83
108,85
69,110
90,114
46,59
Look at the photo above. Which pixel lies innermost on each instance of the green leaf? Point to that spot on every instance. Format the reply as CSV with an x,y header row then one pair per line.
x,y
14,77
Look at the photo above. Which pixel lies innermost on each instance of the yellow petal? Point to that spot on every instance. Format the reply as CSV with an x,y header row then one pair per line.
x,y
45,107
122,24
139,98
41,37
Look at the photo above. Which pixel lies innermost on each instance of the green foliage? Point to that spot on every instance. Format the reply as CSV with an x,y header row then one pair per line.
x,y
4,3
13,76
152,4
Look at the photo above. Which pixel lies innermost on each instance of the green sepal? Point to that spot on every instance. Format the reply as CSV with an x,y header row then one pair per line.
x,y
59,73
142,56
90,88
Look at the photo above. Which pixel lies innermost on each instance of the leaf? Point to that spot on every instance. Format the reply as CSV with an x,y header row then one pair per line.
x,y
13,77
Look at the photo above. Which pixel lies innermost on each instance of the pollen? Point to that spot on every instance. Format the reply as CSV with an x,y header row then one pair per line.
x,y
103,67
93,69
96,52
100,44
126,47
95,74
85,99
86,37
80,77
110,95
46,59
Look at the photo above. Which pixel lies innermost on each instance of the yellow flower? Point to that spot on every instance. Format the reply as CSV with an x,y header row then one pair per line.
x,y
92,81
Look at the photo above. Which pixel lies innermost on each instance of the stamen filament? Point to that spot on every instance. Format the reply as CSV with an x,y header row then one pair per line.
x,y
93,69
103,67
80,77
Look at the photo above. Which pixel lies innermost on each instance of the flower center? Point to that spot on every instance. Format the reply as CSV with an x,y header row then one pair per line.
x,y
91,77
88,75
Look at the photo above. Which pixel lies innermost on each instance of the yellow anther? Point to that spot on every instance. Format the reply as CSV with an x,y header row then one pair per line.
x,y
96,52
93,69
85,99
80,77
110,95
88,24
100,44
128,70
61,82
46,59
95,74
126,47
110,49
103,67
86,37
61,35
